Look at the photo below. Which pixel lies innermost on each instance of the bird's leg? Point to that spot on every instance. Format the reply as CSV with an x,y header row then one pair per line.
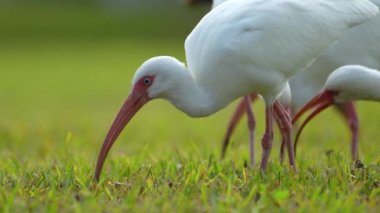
x,y
266,141
348,111
241,108
251,127
232,124
282,150
286,129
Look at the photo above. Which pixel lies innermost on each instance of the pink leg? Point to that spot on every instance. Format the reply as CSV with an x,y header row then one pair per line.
x,y
349,113
278,122
266,141
282,150
286,129
251,126
239,112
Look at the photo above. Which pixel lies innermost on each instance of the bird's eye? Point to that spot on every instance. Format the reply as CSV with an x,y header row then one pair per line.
x,y
147,81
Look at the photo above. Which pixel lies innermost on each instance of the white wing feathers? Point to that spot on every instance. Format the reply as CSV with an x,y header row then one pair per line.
x,y
356,11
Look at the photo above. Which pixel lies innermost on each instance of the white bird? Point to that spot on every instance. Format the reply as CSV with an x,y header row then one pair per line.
x,y
239,48
359,45
347,83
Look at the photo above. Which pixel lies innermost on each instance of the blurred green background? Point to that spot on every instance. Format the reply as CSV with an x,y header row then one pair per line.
x,y
66,66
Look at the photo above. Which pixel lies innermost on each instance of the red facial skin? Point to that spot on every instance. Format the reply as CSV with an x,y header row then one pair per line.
x,y
136,99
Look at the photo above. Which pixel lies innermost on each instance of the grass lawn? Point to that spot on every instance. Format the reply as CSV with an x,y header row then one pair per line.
x,y
58,97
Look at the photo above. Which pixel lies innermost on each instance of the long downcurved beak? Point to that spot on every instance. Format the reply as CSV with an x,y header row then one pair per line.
x,y
320,102
130,107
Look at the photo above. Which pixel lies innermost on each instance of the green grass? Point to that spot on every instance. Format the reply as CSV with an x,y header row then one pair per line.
x,y
59,96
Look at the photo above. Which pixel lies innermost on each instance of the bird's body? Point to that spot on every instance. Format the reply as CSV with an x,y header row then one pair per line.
x,y
347,83
239,48
359,45
244,26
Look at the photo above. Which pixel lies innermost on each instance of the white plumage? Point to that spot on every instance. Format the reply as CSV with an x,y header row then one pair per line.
x,y
359,45
288,43
354,82
239,48
216,3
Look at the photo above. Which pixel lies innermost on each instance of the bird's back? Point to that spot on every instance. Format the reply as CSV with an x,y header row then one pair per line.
x,y
240,39
359,45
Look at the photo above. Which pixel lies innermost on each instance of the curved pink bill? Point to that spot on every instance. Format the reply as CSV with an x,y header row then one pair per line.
x,y
320,103
133,103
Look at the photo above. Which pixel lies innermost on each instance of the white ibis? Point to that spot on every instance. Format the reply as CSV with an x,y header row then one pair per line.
x,y
347,83
359,45
239,48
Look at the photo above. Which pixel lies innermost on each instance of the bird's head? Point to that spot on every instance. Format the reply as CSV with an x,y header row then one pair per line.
x,y
347,83
158,77
154,79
